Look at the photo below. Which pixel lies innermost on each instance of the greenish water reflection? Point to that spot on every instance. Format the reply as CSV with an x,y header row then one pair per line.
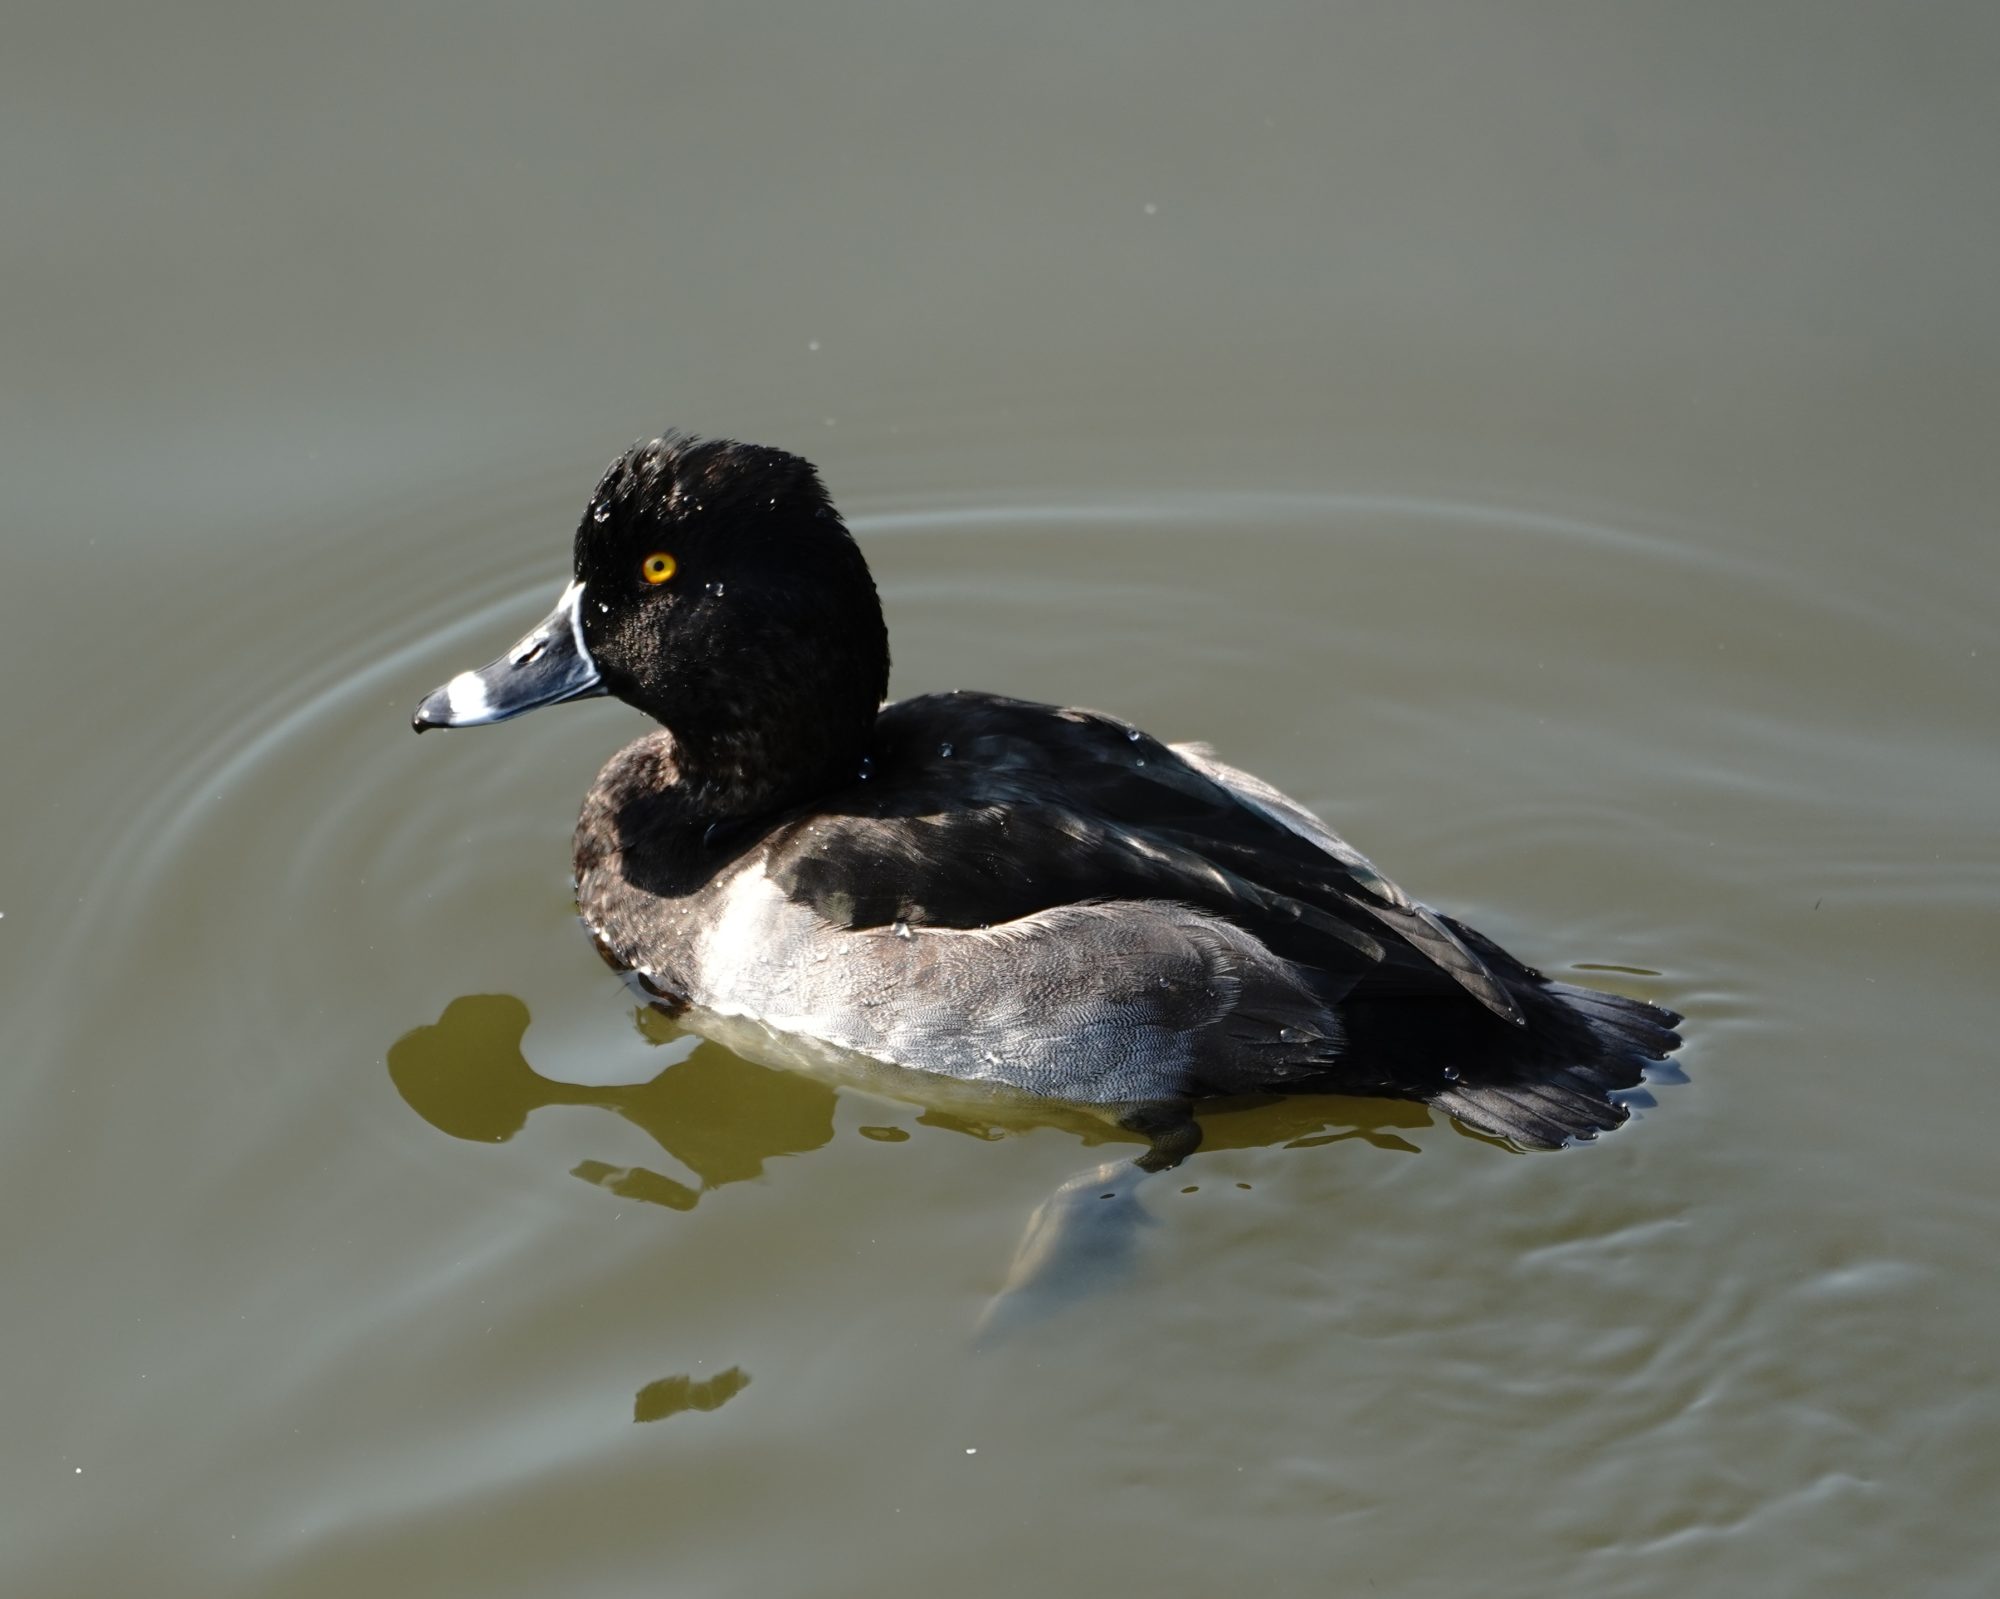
x,y
716,1114
672,1395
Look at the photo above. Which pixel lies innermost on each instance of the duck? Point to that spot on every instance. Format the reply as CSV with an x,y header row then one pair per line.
x,y
1033,899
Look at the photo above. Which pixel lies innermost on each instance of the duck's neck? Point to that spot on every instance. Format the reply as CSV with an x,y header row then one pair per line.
x,y
672,807
734,773
759,731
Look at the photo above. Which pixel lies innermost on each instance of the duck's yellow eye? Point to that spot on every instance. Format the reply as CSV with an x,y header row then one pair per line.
x,y
657,567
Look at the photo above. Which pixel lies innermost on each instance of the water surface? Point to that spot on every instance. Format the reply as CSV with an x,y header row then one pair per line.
x,y
1555,446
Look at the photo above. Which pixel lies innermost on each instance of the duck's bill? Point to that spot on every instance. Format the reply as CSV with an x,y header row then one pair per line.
x,y
550,664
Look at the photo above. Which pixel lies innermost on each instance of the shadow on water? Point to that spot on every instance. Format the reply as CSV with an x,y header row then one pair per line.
x,y
722,1117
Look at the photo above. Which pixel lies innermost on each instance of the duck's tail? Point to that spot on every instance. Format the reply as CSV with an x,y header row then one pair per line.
x,y
1554,1079
1566,1093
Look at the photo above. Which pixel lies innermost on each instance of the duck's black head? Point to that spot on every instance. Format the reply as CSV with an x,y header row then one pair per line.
x,y
716,589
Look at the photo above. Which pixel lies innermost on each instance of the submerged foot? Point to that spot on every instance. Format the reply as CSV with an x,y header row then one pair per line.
x,y
1085,1236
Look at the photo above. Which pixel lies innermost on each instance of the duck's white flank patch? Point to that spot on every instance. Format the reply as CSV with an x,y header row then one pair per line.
x,y
739,933
466,694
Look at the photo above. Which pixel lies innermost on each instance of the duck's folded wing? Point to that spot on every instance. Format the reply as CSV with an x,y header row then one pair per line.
x,y
1421,926
996,808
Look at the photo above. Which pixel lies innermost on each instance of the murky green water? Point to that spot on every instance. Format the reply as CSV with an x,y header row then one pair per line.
x,y
1558,442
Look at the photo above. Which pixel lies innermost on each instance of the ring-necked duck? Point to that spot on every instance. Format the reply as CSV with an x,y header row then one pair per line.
x,y
962,884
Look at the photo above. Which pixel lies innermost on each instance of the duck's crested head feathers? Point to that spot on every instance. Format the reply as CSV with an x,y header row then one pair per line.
x,y
724,596
746,490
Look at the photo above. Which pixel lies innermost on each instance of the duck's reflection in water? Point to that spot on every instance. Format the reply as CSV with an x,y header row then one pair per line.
x,y
721,1117
716,1114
